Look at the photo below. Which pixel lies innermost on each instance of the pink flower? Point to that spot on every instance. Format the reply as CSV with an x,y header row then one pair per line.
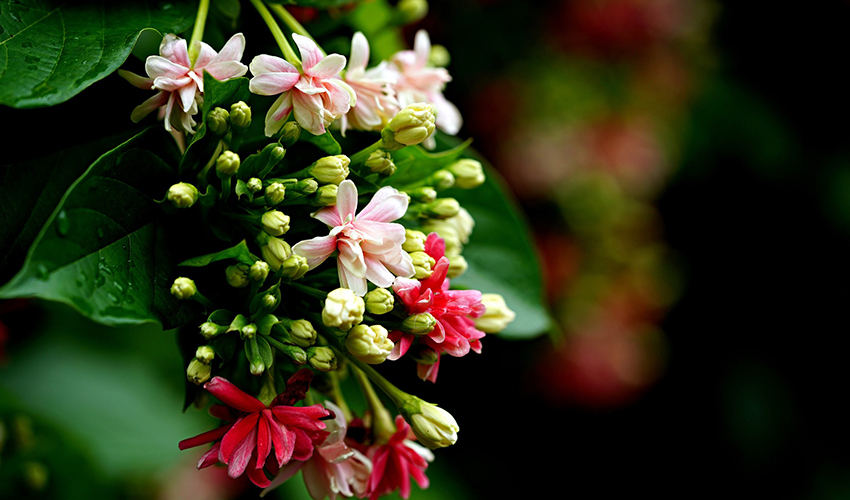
x,y
417,82
247,442
335,469
455,333
314,95
376,102
369,244
394,462
181,82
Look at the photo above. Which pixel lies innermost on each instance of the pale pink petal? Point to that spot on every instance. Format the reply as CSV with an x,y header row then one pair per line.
x,y
174,49
377,273
272,83
316,480
359,53
401,264
387,205
347,279
232,50
310,86
310,52
328,67
158,66
315,250
171,84
136,80
205,55
143,109
278,113
169,106
271,64
422,47
187,96
448,116
309,112
286,472
346,200
341,94
351,257
330,216
225,70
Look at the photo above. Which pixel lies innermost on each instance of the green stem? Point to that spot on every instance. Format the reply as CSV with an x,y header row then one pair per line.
x,y
292,23
198,30
338,397
313,292
363,155
382,422
278,35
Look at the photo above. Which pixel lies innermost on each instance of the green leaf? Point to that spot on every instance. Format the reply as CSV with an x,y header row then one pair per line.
x,y
49,52
265,351
104,249
326,142
319,4
413,164
238,252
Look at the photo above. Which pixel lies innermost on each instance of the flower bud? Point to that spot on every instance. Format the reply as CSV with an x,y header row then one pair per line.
x,y
275,193
497,315
414,241
275,222
322,358
439,56
442,208
379,301
254,184
291,132
412,125
343,309
297,354
277,154
302,333
468,173
227,164
381,162
182,195
198,372
237,275
457,266
269,301
210,329
423,265
433,426
248,331
259,271
442,180
330,169
218,121
306,186
412,11
424,194
419,324
183,288
369,344
205,354
295,266
326,195
463,223
240,116
275,251
423,355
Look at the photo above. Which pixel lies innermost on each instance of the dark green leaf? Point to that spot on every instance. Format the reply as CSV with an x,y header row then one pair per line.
x,y
49,51
239,252
265,351
104,250
414,164
325,142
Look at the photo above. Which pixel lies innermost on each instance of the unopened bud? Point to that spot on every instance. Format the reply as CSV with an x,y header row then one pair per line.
x,y
254,184
331,169
419,324
198,372
291,132
322,358
227,164
414,241
259,271
433,426
302,333
442,180
424,194
237,275
369,344
379,301
275,251
343,309
423,265
439,56
277,154
442,208
457,266
497,315
269,300
412,11
468,173
248,331
210,329
326,195
183,288
295,266
218,121
381,162
205,354
307,186
182,195
257,367
275,222
240,116
412,125
423,355
275,193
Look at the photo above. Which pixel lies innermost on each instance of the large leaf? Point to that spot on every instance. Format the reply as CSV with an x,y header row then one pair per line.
x,y
414,164
50,50
104,250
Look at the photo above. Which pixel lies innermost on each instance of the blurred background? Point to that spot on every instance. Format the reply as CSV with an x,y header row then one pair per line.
x,y
685,167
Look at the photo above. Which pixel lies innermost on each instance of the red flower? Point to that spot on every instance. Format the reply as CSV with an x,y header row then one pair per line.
x,y
246,443
455,332
394,462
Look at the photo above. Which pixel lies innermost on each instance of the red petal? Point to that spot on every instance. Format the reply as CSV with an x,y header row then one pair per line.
x,y
264,438
210,457
242,430
258,477
206,437
296,388
233,396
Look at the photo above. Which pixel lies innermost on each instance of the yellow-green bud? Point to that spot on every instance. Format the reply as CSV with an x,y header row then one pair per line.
x,y
343,309
254,184
205,354
381,162
468,173
182,195
302,333
277,154
423,355
412,11
369,344
227,164
248,331
269,300
291,132
424,194
295,266
240,116
275,193
259,271
218,121
412,125
457,266
497,315
442,179
183,288
439,56
419,324
463,224
414,241
237,275
326,195
275,251
423,265
275,222
210,329
198,372
379,301
433,426
307,186
442,208
322,358
331,169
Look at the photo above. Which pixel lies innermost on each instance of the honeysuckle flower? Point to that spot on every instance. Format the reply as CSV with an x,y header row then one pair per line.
x,y
418,82
314,95
376,101
334,469
180,80
454,333
394,462
369,243
246,443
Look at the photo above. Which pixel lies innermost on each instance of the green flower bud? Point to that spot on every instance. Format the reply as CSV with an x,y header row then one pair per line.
x,y
439,56
297,354
330,169
198,372
240,116
423,265
379,301
442,208
419,324
275,193
248,331
210,329
291,132
433,426
259,271
412,125
295,266
412,11
442,179
237,275
227,164
302,333
423,355
182,195
218,121
497,315
326,195
457,266
424,194
322,358
269,301
369,344
275,251
254,184
277,154
307,186
275,222
468,173
414,241
381,162
183,288
205,354
343,309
